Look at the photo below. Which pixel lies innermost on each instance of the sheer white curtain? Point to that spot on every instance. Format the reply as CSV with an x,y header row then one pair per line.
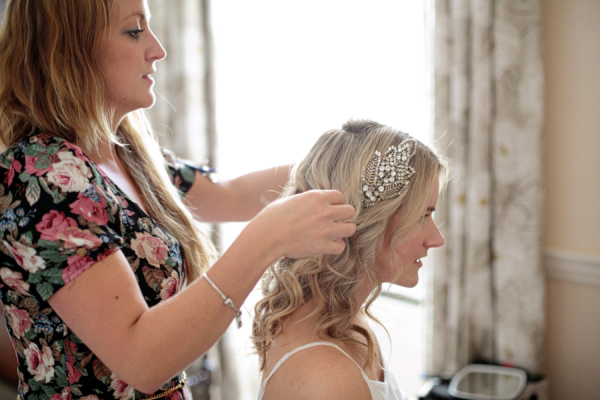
x,y
183,119
287,71
487,288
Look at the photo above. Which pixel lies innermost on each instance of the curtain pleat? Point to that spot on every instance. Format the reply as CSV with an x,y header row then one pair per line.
x,y
487,285
181,112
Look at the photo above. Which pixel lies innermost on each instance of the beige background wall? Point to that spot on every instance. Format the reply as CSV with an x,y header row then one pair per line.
x,y
571,51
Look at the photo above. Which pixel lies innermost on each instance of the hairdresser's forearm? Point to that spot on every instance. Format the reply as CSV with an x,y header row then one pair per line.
x,y
143,346
197,316
238,199
8,361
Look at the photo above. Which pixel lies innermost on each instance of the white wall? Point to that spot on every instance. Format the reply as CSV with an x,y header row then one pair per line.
x,y
571,46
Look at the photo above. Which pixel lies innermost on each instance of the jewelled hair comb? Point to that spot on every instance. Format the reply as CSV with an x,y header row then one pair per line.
x,y
386,177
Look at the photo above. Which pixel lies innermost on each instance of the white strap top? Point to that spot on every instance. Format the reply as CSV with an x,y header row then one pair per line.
x,y
386,390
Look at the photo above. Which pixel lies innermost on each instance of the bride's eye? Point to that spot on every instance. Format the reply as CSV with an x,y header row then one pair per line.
x,y
135,33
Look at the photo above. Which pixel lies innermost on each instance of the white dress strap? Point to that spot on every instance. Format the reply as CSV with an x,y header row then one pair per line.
x,y
300,348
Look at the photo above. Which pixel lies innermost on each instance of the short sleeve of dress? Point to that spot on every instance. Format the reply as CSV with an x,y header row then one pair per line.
x,y
58,217
183,172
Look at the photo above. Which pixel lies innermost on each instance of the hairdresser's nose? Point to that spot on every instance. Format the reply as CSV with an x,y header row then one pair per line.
x,y
434,238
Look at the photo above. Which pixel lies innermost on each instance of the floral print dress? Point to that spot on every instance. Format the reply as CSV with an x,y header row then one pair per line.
x,y
59,214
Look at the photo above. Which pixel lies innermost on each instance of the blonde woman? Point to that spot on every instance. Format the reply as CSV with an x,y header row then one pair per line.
x,y
310,330
104,276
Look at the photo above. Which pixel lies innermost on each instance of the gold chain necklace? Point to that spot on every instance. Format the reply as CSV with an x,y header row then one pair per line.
x,y
181,384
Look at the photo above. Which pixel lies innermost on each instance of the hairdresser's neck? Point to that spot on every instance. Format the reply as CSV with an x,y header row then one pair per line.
x,y
117,113
106,151
105,154
118,117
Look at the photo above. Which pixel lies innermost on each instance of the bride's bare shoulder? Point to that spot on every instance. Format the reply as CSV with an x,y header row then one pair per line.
x,y
318,372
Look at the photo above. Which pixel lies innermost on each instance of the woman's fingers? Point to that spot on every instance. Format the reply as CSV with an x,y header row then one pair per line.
x,y
343,229
332,196
313,222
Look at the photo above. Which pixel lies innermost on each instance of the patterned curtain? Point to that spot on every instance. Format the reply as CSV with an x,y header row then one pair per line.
x,y
183,115
184,120
487,291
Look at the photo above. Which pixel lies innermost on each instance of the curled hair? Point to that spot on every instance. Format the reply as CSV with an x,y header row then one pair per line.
x,y
51,81
337,161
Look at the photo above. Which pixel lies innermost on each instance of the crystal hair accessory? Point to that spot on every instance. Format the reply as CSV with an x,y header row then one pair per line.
x,y
386,177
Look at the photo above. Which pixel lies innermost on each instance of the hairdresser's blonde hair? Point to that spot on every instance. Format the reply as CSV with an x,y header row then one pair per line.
x,y
337,161
50,81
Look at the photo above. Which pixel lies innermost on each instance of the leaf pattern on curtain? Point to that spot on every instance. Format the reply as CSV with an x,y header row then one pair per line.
x,y
487,288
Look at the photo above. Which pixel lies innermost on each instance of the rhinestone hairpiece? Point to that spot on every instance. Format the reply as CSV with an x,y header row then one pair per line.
x,y
386,177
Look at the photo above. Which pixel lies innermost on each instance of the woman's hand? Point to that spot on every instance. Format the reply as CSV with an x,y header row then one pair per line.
x,y
306,224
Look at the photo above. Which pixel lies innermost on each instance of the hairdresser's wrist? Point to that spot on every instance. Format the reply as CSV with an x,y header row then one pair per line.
x,y
265,242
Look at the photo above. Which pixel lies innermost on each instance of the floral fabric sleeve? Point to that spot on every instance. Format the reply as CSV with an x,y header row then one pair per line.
x,y
57,216
183,172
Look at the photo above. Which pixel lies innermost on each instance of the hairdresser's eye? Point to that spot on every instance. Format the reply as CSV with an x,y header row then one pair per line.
x,y
135,33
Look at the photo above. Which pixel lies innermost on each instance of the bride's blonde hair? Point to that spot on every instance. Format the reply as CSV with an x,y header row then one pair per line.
x,y
50,81
337,161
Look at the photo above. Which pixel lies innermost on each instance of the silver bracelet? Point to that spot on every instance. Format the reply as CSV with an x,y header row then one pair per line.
x,y
227,301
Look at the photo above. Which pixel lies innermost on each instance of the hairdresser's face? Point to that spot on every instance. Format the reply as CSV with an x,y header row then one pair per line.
x,y
127,58
403,269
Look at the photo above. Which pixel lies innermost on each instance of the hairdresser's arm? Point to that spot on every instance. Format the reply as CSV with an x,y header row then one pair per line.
x,y
238,199
8,359
146,347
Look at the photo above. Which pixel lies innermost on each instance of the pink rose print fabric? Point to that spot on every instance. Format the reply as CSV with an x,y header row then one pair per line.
x,y
59,215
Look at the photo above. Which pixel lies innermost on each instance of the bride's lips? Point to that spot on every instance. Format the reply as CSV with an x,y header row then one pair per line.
x,y
149,76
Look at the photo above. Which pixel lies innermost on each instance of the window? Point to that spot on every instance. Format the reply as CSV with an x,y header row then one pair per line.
x,y
287,71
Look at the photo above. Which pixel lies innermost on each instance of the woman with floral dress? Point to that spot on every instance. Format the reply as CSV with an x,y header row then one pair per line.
x,y
103,271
